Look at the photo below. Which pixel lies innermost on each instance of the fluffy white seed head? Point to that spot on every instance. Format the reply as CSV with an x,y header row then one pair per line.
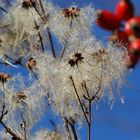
x,y
46,134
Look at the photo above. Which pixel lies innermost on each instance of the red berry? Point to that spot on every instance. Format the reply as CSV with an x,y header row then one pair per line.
x,y
120,36
107,20
132,27
132,60
125,10
134,47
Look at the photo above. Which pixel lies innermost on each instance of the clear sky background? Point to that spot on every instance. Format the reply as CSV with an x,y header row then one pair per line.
x,y
123,121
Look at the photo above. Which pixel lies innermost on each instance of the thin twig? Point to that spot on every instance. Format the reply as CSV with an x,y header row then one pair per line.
x,y
4,26
54,125
79,100
41,5
89,110
67,128
10,131
71,122
24,126
63,50
49,34
51,44
18,62
39,35
6,127
90,99
3,9
99,88
62,53
89,120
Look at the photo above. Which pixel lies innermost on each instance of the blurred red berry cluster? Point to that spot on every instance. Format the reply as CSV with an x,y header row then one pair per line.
x,y
124,27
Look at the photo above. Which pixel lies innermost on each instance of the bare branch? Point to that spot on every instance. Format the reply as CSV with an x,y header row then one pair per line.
x,y
51,44
79,100
72,125
67,128
24,126
6,127
3,9
39,35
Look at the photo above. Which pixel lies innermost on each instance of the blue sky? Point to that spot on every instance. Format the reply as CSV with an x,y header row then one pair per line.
x,y
123,121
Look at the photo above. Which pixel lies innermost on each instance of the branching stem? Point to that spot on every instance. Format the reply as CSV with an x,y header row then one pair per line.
x,y
4,112
79,100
